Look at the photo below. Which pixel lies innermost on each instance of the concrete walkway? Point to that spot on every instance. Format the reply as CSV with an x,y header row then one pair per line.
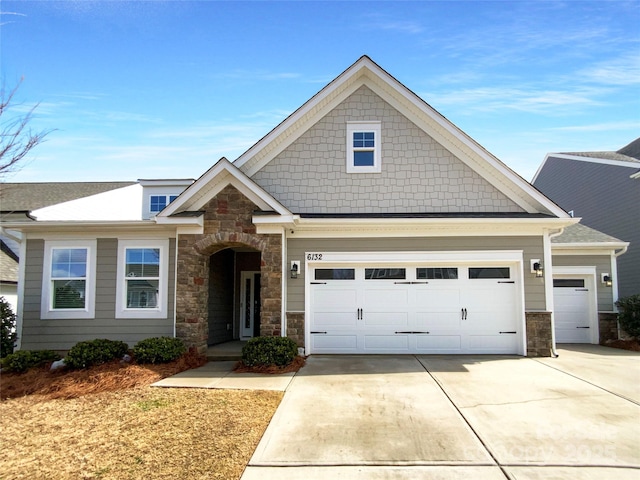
x,y
456,417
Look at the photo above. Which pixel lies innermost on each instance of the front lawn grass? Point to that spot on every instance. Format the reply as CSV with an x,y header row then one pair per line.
x,y
137,433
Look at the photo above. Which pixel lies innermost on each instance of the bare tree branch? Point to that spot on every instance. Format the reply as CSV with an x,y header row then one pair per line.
x,y
16,138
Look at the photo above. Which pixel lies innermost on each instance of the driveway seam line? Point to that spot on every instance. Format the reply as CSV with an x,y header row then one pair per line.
x,y
587,381
482,442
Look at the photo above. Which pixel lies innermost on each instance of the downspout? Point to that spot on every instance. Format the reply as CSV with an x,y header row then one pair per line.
x,y
283,306
175,285
22,268
549,288
614,277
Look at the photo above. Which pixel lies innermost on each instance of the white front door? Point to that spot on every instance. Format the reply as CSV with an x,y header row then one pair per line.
x,y
414,309
249,304
572,310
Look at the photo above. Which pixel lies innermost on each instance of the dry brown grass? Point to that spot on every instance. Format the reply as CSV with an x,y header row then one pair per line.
x,y
141,433
106,422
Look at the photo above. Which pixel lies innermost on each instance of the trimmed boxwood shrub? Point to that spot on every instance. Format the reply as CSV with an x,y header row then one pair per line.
x,y
158,350
629,314
95,352
260,351
23,360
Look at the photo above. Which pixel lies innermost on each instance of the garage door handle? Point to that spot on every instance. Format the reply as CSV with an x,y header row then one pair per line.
x,y
324,333
464,313
398,333
318,283
582,289
510,281
510,333
583,327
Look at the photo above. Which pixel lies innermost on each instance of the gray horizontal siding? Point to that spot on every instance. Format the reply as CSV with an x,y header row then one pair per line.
x,y
62,334
606,199
532,247
602,264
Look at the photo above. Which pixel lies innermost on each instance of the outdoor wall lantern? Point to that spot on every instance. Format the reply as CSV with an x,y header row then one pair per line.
x,y
295,268
606,279
536,267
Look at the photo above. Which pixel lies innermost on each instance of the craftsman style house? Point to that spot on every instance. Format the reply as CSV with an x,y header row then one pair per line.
x,y
366,222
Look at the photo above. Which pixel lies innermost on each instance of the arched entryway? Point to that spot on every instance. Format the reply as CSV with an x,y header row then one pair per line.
x,y
234,301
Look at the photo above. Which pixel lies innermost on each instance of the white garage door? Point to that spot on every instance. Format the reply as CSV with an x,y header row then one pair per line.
x,y
414,309
572,311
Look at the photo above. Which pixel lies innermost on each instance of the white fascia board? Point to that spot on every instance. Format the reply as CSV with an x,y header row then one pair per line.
x,y
93,229
603,161
465,148
595,248
463,256
223,173
199,220
335,87
417,227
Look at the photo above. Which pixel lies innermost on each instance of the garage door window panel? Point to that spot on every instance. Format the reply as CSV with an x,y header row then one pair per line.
x,y
489,273
385,273
335,274
448,273
568,283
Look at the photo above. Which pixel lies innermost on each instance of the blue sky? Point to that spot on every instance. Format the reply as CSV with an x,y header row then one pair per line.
x,y
154,89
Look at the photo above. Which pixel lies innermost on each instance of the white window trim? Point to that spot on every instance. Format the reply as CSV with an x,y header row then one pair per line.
x,y
167,199
121,291
46,308
377,149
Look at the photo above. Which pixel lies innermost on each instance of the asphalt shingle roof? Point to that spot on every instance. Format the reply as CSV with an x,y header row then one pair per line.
x,y
579,233
8,264
628,153
31,196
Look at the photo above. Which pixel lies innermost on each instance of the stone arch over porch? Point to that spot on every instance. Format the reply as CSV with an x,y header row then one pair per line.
x,y
227,224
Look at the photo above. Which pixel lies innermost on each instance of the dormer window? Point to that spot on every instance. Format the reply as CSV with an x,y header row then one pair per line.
x,y
157,203
363,147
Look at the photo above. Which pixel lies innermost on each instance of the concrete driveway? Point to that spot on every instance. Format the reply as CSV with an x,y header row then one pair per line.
x,y
457,417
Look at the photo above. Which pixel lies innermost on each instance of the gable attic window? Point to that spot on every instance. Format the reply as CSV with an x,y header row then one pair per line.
x,y
363,147
157,203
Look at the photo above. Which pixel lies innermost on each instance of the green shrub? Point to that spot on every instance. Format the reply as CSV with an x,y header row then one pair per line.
x,y
23,360
8,329
629,314
95,352
278,351
158,350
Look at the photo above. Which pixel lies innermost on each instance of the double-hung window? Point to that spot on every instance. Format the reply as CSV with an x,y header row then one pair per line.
x,y
68,289
141,290
157,203
363,147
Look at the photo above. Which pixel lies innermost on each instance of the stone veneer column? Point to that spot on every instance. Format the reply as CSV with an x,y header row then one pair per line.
x,y
227,224
539,338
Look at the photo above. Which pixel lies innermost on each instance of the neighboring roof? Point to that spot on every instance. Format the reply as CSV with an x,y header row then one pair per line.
x,y
632,150
616,156
366,72
579,233
32,196
8,264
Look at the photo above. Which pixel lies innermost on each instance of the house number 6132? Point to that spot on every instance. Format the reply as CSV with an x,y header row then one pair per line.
x,y
314,256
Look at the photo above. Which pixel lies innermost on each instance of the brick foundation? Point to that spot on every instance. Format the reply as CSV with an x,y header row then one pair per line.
x,y
227,224
539,338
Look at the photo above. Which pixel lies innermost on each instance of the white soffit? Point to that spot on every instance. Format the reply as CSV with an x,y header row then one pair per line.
x,y
368,73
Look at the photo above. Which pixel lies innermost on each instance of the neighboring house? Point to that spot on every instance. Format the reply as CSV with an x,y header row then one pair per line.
x,y
365,222
9,275
603,189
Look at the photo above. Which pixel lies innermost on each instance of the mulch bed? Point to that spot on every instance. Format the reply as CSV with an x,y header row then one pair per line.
x,y
108,377
294,366
633,345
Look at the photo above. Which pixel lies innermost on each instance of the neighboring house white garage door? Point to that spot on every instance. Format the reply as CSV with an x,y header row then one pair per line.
x,y
573,311
410,308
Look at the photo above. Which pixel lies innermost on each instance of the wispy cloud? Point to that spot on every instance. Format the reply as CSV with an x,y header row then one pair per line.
x,y
258,75
522,98
4,21
601,127
624,70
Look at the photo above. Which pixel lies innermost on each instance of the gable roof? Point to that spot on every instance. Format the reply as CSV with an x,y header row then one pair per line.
x,y
8,264
628,157
25,197
368,73
212,182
